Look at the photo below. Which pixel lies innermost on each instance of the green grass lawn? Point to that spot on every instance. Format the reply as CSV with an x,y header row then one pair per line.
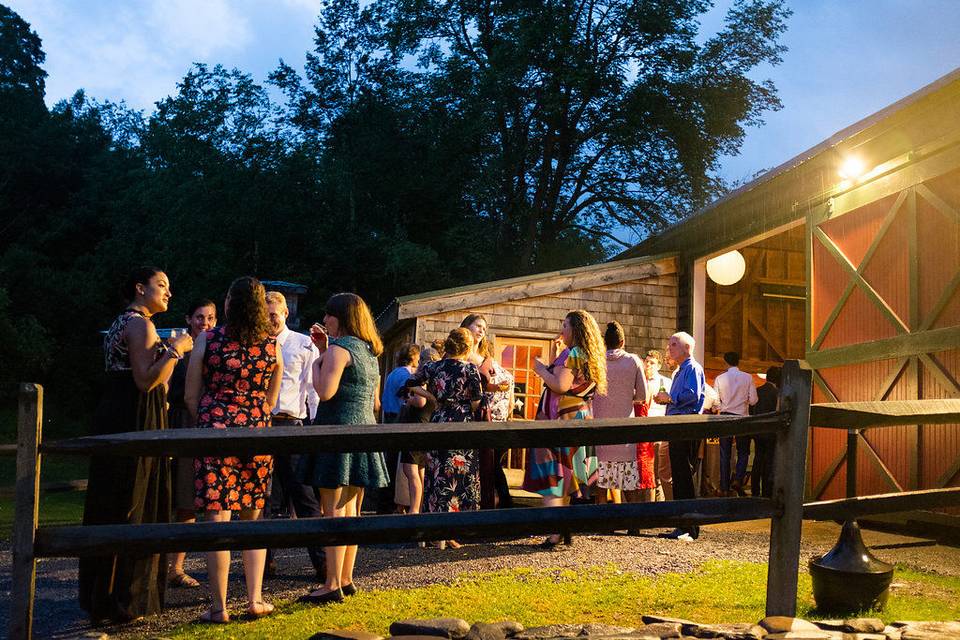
x,y
55,508
721,591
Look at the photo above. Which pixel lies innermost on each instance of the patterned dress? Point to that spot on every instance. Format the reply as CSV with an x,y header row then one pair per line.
x,y
235,382
452,477
560,471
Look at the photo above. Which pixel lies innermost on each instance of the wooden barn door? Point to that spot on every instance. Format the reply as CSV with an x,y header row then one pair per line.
x,y
884,323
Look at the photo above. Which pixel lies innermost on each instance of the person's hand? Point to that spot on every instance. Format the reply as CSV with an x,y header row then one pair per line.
x,y
539,366
662,397
319,336
182,344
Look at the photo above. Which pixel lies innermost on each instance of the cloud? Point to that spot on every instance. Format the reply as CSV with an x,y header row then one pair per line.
x,y
132,50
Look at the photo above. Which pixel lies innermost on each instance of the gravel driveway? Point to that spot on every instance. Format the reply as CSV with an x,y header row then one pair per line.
x,y
383,567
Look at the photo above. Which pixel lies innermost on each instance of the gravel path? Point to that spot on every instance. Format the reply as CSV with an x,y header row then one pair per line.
x,y
384,567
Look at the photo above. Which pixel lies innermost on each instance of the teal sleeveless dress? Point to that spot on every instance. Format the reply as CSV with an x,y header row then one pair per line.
x,y
352,404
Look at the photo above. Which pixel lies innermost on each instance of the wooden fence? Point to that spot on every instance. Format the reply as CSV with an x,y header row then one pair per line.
x,y
785,509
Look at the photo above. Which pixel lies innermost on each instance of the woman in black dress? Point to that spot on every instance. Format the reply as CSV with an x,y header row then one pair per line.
x,y
122,587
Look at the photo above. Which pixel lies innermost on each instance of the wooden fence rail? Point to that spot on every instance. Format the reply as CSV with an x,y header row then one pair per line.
x,y
785,510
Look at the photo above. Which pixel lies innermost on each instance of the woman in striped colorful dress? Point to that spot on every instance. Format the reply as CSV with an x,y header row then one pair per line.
x,y
556,473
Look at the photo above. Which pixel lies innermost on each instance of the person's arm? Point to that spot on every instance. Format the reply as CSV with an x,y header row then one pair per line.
x,y
273,389
752,397
194,384
474,388
141,337
376,398
423,393
559,380
331,364
417,379
641,392
685,390
307,382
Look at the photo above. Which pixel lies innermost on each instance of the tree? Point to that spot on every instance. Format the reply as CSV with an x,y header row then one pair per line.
x,y
584,116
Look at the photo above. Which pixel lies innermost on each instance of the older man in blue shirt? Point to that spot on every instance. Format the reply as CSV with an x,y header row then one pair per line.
x,y
685,398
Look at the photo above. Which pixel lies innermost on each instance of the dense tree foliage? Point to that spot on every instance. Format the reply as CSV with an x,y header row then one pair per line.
x,y
425,144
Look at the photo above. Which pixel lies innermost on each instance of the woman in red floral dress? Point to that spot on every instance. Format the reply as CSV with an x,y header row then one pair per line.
x,y
231,383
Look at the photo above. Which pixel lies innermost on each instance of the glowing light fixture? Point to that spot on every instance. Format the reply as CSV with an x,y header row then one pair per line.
x,y
852,168
727,269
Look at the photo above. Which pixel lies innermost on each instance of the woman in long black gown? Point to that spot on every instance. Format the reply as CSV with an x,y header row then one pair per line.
x,y
121,587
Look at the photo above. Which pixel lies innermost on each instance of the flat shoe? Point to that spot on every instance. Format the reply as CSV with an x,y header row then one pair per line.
x,y
208,617
322,598
349,590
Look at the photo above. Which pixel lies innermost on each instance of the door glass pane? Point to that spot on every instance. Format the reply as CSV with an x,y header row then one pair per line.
x,y
506,359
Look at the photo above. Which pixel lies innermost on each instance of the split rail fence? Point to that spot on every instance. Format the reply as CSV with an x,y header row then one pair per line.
x,y
785,509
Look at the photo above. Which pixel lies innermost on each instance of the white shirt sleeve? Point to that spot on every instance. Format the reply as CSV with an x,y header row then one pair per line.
x,y
313,400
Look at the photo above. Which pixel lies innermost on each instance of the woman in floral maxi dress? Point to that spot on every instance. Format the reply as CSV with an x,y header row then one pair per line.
x,y
452,478
556,473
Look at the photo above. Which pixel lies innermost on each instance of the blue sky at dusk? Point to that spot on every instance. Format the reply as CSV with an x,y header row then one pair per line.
x,y
846,58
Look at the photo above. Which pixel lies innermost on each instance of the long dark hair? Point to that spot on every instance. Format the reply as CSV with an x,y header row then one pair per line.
x,y
247,319
355,319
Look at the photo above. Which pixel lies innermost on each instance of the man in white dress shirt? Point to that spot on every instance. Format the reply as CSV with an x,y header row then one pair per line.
x,y
297,402
736,393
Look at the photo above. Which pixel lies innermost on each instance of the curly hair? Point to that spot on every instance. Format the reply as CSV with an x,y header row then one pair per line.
x,y
586,336
246,313
458,343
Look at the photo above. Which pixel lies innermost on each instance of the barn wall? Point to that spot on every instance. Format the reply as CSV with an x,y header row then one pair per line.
x,y
646,308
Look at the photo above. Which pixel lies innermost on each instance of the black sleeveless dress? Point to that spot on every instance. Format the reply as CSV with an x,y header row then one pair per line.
x,y
119,587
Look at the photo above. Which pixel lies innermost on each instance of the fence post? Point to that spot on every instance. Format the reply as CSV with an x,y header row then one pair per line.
x,y
788,478
24,570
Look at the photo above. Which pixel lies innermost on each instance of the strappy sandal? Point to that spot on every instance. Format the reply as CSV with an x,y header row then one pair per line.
x,y
183,581
208,617
258,609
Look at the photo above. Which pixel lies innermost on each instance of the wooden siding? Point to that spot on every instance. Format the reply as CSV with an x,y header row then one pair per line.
x,y
646,308
764,330
900,281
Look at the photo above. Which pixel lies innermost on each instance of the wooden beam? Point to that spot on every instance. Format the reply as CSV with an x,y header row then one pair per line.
x,y
943,376
828,475
887,385
23,572
888,219
949,474
939,203
865,286
941,303
73,541
788,484
860,415
724,310
767,338
911,344
430,436
852,508
532,287
820,382
878,464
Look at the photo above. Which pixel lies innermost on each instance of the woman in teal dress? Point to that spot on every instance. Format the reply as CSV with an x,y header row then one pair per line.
x,y
346,378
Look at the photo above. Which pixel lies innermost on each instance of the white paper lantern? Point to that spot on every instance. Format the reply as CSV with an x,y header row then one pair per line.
x,y
727,269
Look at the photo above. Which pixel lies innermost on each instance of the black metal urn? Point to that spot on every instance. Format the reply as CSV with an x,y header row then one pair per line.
x,y
848,577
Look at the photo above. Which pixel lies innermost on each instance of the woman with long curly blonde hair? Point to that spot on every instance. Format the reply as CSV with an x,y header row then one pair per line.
x,y
579,371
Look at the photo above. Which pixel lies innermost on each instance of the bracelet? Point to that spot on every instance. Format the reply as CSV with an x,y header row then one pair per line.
x,y
173,353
